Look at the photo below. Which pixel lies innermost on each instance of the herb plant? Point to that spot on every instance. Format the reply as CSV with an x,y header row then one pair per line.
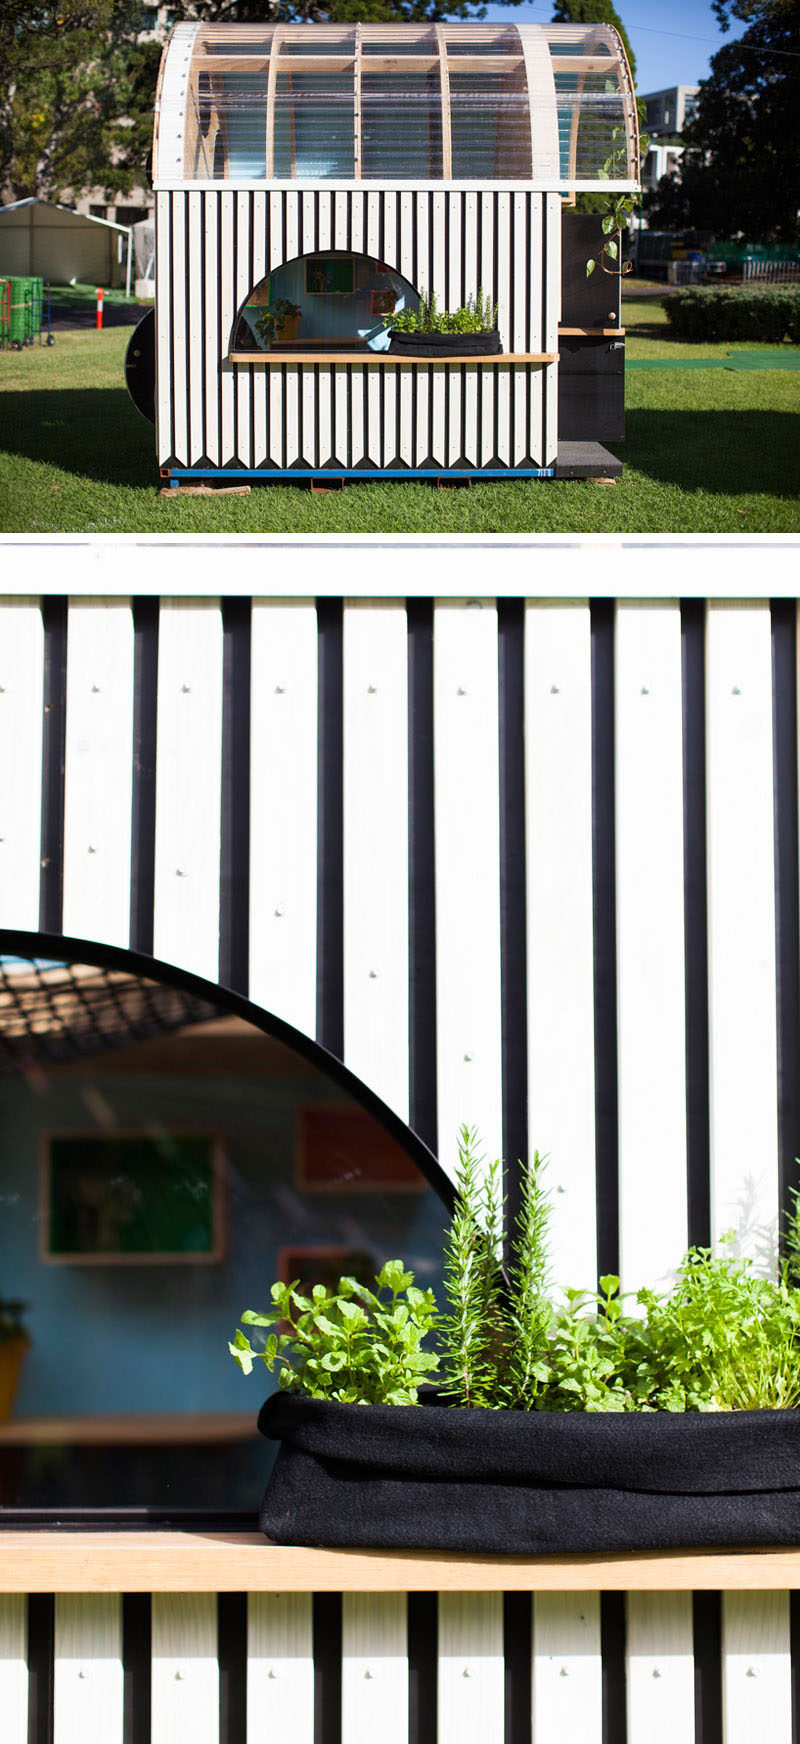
x,y
273,320
478,315
620,206
353,1344
12,1323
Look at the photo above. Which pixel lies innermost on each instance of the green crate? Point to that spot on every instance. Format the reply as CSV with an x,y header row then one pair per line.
x,y
25,311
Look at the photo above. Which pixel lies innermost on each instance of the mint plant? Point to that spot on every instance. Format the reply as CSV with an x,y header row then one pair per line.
x,y
353,1344
477,315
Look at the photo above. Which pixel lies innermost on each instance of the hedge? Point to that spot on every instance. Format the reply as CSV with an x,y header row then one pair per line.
x,y
766,312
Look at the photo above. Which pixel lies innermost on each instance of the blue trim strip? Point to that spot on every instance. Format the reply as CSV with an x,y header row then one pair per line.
x,y
176,474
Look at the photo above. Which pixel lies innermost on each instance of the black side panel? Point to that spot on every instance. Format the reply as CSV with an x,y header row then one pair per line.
x,y
592,301
591,389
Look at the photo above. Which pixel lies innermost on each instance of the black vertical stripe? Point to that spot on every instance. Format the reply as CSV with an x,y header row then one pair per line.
x,y
612,1648
232,1656
695,878
330,822
234,939
421,874
707,1632
143,807
518,1666
513,969
136,1663
423,1629
54,731
787,893
327,1638
41,1644
605,942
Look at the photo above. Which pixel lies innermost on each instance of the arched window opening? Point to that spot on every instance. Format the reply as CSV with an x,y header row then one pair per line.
x,y
323,302
166,1152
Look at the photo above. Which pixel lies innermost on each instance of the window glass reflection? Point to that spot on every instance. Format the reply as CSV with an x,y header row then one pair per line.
x,y
161,1162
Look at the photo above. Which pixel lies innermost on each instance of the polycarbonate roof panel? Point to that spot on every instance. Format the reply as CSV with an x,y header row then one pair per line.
x,y
244,104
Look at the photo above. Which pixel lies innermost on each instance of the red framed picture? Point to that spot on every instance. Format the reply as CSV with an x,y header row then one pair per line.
x,y
343,1150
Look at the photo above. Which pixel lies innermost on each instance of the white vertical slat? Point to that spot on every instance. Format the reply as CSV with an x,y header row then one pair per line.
x,y
438,390
406,248
274,381
455,395
467,851
651,980
196,335
471,431
163,306
185,1669
520,270
307,389
14,1668
756,1668
373,203
187,864
355,410
87,1685
374,428
405,389
21,682
225,270
324,430
390,229
558,803
534,323
567,1669
421,215
260,376
552,318
374,1668
437,238
376,848
341,414
660,1668
292,394
423,390
243,373
98,771
454,261
180,315
212,344
324,198
472,284
741,914
502,383
340,221
283,816
471,1668
358,222
276,248
307,215
293,232
280,1668
488,390
390,394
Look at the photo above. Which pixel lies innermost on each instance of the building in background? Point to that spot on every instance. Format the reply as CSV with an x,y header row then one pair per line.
x,y
667,114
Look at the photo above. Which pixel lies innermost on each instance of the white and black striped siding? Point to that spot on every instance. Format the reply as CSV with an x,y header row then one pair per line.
x,y
213,247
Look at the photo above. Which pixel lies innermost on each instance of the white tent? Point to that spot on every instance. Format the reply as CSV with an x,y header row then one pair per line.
x,y
54,243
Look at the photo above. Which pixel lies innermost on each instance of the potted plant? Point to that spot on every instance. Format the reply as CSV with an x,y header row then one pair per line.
x,y
559,1424
14,1342
470,331
278,321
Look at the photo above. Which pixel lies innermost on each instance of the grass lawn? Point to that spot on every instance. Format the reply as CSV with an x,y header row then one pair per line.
x,y
706,451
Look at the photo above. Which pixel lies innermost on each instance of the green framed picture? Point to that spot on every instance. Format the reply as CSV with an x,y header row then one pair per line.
x,y
132,1198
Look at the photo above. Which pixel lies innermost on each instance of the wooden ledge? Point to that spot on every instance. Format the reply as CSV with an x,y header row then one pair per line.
x,y
329,360
591,332
180,1428
224,1562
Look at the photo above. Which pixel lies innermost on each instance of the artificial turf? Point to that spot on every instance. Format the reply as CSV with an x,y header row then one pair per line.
x,y
712,451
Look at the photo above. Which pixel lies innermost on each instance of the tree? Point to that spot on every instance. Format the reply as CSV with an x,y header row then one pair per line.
x,y
740,172
76,95
594,12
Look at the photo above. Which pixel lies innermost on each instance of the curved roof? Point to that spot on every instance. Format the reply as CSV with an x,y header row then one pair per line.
x,y
546,104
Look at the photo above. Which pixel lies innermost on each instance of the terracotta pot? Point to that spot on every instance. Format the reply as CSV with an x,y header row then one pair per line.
x,y
12,1355
288,331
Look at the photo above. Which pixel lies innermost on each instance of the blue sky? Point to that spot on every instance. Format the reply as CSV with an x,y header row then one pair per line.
x,y
672,44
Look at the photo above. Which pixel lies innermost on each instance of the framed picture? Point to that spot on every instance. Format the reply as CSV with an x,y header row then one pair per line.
x,y
325,1265
382,302
343,1150
332,276
132,1198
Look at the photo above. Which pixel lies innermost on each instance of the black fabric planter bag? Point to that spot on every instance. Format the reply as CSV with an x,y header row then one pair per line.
x,y
445,345
530,1483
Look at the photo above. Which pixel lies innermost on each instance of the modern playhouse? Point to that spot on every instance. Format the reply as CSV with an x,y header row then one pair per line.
x,y
313,180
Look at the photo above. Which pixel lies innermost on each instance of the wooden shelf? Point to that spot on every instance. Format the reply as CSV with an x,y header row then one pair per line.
x,y
224,1562
591,332
173,1427
270,359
